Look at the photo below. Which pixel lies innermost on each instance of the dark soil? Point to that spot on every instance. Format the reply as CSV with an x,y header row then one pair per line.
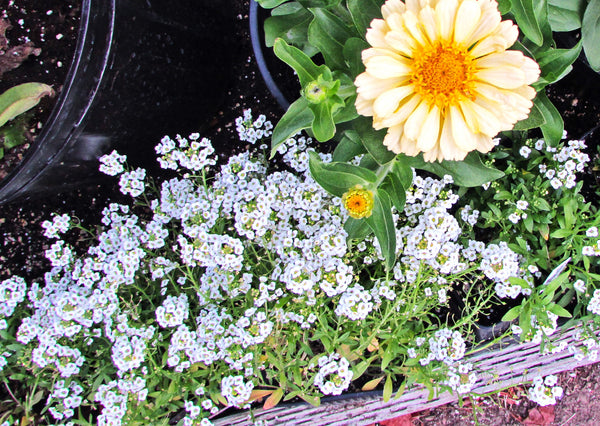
x,y
50,29
22,243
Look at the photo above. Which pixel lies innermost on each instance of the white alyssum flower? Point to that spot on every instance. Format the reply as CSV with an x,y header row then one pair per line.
x,y
334,375
545,391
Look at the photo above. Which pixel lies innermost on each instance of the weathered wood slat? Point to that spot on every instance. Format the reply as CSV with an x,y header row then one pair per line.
x,y
503,365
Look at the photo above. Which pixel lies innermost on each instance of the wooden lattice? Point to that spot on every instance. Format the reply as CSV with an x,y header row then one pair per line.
x,y
506,364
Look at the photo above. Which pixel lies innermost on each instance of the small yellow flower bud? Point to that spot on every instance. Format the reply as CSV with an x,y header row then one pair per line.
x,y
358,201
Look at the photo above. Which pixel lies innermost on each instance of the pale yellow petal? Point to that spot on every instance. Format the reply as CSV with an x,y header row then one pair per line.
x,y
389,101
448,148
376,33
364,106
505,77
480,119
402,114
392,6
392,138
415,121
430,131
408,146
445,14
427,18
413,26
434,154
463,136
467,16
387,66
370,87
484,143
488,23
401,42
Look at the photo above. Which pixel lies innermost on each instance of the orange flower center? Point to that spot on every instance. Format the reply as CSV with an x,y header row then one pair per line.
x,y
443,74
358,202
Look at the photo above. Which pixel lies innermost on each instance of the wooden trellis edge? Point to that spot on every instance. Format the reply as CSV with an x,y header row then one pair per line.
x,y
503,365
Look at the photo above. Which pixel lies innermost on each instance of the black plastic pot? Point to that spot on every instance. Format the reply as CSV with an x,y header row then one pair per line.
x,y
271,68
142,69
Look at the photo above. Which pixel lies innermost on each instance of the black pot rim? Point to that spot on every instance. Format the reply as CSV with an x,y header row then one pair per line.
x,y
257,48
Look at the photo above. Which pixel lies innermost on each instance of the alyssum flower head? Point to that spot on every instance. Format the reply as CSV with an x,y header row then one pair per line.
x,y
440,78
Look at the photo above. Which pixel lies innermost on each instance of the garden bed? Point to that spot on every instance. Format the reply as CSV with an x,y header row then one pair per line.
x,y
497,367
503,365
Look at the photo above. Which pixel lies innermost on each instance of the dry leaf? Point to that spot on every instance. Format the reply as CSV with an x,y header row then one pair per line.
x,y
540,416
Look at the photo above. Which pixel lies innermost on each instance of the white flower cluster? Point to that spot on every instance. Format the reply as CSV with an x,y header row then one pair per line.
x,y
545,391
499,263
112,164
59,225
235,390
69,396
590,347
12,292
446,349
568,160
173,312
594,303
334,375
194,154
539,330
132,182
252,131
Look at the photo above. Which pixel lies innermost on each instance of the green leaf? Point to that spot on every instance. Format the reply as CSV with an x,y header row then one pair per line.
x,y
525,15
512,314
359,369
372,140
329,34
565,15
554,125
337,178
555,64
403,170
504,6
323,126
363,12
16,100
590,34
306,69
533,120
396,191
382,224
470,172
315,401
560,311
270,4
291,27
357,229
387,388
353,55
298,117
348,147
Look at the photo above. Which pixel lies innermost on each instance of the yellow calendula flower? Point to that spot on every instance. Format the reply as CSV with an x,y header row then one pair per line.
x,y
440,78
358,201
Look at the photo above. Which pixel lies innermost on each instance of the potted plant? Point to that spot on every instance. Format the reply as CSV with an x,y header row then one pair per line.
x,y
138,69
